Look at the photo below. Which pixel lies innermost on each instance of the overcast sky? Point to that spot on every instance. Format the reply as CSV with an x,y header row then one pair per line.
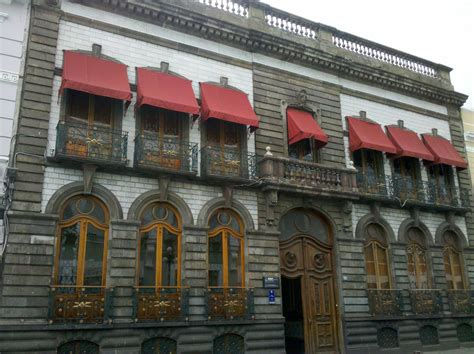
x,y
441,31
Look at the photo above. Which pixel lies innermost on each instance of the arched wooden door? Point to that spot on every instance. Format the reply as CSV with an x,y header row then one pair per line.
x,y
308,275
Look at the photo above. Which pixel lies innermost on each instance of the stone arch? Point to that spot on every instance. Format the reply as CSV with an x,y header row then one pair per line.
x,y
409,223
446,226
154,196
372,219
216,203
76,188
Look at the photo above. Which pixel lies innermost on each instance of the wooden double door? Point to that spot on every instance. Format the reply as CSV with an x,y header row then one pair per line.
x,y
308,292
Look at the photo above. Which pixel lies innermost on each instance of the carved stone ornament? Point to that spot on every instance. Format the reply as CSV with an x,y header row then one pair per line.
x,y
89,172
320,261
164,182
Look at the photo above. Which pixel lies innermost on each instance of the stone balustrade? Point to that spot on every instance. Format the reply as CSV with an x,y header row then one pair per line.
x,y
306,174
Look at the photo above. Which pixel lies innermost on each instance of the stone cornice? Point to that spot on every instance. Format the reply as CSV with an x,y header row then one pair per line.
x,y
254,35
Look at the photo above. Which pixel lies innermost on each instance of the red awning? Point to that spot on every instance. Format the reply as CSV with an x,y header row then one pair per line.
x,y
302,125
86,73
226,104
408,143
443,151
367,135
167,91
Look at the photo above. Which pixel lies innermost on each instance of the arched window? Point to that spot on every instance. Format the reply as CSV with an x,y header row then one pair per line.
x,y
376,258
78,347
81,255
226,245
387,337
452,256
159,263
160,345
417,259
229,343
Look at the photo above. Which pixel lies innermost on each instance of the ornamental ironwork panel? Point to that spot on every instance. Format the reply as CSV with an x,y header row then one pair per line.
x,y
78,347
426,301
229,303
406,188
465,333
429,335
161,304
229,344
82,304
159,345
370,183
228,162
153,152
387,337
386,302
461,301
91,143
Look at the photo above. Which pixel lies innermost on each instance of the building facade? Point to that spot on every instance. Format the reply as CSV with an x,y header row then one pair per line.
x,y
467,116
220,177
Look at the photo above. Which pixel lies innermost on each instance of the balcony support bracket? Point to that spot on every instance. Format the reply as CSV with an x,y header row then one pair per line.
x,y
271,201
227,192
89,172
163,183
375,210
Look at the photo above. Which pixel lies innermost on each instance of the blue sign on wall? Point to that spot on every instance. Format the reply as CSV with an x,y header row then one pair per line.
x,y
271,296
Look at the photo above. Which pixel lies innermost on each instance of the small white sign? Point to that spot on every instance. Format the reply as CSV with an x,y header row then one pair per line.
x,y
9,77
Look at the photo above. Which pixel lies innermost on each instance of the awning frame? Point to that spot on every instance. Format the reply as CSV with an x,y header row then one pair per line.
x,y
399,153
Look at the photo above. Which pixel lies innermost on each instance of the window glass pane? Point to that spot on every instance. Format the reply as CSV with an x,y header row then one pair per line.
x,y
84,206
231,134
169,259
370,267
235,261
68,254
215,261
103,111
78,107
301,150
411,270
94,256
422,278
225,217
213,132
171,124
147,269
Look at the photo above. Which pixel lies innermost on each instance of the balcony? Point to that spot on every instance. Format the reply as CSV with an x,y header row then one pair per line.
x,y
426,301
229,303
161,304
228,162
155,153
94,144
79,304
461,301
307,177
385,302
399,189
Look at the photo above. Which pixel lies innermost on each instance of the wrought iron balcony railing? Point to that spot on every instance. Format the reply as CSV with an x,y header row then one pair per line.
x,y
385,302
426,301
161,303
405,189
153,152
79,304
229,303
306,174
228,162
461,301
91,143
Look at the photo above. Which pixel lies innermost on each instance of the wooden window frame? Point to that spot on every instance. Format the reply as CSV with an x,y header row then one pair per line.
x,y
225,231
117,111
404,161
417,266
160,113
377,157
449,251
373,244
84,221
242,136
158,237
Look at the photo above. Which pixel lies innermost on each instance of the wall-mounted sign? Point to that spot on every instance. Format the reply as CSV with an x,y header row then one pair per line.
x,y
9,77
271,297
271,283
